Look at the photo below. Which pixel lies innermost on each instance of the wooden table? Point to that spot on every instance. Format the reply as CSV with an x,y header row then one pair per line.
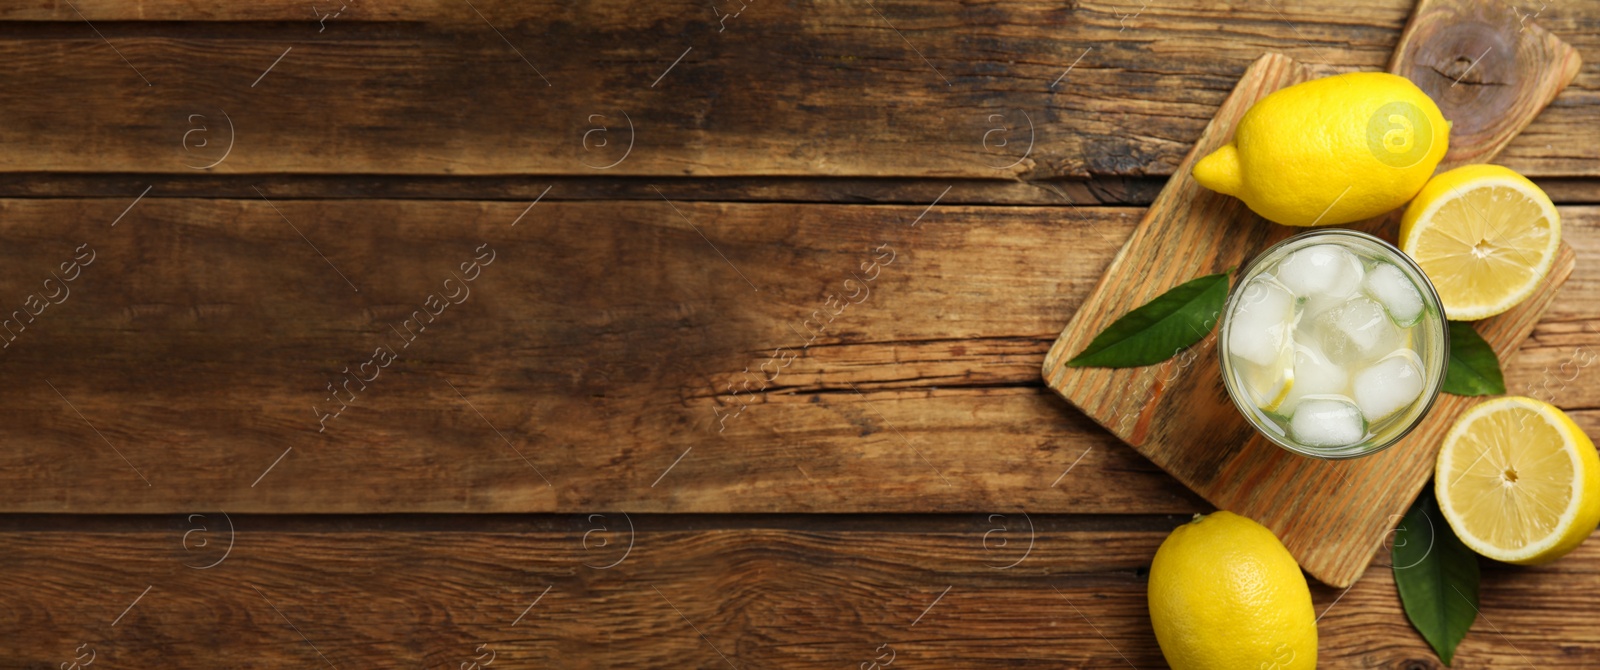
x,y
607,334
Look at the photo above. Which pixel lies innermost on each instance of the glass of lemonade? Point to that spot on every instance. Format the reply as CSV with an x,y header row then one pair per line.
x,y
1333,344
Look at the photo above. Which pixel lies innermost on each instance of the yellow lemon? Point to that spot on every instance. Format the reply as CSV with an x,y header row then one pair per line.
x,y
1331,150
1518,481
1486,237
1225,593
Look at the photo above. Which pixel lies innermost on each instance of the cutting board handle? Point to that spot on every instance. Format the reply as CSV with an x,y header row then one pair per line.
x,y
1488,66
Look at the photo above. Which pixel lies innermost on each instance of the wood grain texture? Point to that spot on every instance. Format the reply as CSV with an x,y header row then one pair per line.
x,y
1446,50
1117,191
428,88
598,343
601,343
1329,514
394,138
839,190
937,595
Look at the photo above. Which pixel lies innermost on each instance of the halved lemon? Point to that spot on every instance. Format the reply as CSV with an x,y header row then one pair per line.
x,y
1485,235
1518,481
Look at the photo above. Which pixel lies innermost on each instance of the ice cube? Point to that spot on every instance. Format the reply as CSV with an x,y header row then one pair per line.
x,y
1389,385
1322,273
1314,374
1356,332
1327,421
1394,290
1258,327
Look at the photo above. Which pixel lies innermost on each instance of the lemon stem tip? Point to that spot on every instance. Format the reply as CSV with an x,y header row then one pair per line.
x,y
1219,170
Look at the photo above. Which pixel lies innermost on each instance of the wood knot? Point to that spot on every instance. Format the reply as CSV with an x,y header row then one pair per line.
x,y
1466,70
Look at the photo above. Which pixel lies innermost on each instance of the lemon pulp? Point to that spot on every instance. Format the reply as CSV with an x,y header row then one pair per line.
x,y
1484,235
1269,385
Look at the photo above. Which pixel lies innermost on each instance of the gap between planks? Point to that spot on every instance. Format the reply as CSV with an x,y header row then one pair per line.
x,y
1098,191
578,522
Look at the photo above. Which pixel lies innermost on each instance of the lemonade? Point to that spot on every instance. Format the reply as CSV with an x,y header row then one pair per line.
x,y
1333,344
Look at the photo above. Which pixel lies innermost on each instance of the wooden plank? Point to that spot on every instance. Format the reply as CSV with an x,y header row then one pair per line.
x,y
1489,100
426,87
598,343
601,343
534,596
1329,514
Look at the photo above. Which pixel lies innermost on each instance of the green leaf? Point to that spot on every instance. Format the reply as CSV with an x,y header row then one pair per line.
x,y
1161,328
1473,368
1437,576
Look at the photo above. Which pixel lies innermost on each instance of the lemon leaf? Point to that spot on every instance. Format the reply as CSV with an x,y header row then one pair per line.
x,y
1159,329
1472,369
1436,575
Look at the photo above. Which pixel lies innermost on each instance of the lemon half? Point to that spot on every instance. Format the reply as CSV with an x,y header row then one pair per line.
x,y
1518,481
1486,237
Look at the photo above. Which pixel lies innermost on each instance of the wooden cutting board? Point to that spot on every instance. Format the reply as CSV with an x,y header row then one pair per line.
x,y
1491,71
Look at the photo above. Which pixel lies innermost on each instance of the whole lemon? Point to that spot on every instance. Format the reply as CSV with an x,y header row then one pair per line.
x,y
1331,150
1225,593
